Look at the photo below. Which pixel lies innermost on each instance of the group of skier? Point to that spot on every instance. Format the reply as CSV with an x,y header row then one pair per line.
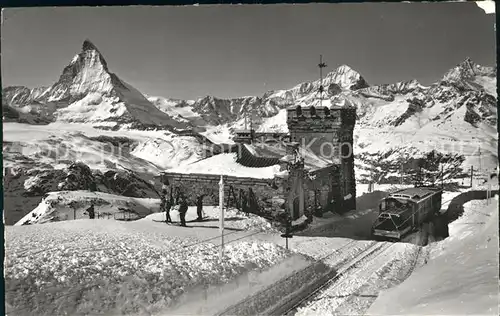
x,y
167,203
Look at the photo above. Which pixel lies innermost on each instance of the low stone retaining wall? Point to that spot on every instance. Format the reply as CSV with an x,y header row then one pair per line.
x,y
282,295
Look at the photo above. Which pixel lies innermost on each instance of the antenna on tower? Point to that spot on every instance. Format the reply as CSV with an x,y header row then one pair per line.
x,y
246,117
321,89
251,120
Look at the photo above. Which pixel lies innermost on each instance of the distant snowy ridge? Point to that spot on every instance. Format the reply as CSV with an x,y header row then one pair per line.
x,y
212,110
459,109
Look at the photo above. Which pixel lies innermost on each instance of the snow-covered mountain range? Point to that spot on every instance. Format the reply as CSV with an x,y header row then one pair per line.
x,y
457,114
87,92
211,110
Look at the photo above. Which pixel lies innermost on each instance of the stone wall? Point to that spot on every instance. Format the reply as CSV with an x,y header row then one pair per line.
x,y
194,185
296,193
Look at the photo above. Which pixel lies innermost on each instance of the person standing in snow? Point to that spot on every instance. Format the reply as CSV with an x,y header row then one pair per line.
x,y
199,208
178,196
309,214
162,202
183,210
244,203
164,206
169,203
91,211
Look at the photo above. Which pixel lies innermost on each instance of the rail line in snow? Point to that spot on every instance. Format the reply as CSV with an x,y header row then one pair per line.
x,y
344,267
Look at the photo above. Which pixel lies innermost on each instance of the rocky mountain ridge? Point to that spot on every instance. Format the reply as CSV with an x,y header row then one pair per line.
x,y
214,111
87,92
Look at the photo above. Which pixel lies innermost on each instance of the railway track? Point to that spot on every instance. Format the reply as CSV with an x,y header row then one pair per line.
x,y
414,263
344,267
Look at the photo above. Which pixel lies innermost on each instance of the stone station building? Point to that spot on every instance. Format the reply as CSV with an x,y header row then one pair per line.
x,y
311,167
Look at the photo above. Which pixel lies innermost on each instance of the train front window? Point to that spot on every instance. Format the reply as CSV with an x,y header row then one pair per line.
x,y
397,220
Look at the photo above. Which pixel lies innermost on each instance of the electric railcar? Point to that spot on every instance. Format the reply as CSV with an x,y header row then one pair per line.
x,y
404,211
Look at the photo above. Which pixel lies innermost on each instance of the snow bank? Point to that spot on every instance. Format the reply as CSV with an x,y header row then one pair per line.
x,y
111,267
299,220
461,276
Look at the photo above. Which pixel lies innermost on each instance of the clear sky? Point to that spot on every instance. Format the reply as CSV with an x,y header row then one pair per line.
x,y
239,50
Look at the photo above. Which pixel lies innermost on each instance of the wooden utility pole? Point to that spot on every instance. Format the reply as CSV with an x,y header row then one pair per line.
x,y
221,218
480,165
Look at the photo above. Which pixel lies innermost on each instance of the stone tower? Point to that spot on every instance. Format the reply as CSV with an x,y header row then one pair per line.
x,y
328,133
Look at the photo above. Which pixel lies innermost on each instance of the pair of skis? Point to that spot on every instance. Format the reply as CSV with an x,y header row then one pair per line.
x,y
179,224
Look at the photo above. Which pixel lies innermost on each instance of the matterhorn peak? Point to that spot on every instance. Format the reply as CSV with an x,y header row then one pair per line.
x,y
90,50
88,45
87,72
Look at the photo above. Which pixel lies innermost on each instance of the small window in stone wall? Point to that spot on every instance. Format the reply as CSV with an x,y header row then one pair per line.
x,y
327,111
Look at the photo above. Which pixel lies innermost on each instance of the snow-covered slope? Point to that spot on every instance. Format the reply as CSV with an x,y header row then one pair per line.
x,y
87,92
58,144
41,149
276,123
71,205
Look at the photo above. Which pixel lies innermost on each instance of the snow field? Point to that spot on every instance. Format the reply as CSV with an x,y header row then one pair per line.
x,y
129,269
60,144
